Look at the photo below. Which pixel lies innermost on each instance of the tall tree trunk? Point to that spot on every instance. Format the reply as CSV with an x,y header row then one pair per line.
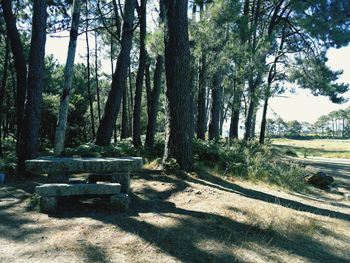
x,y
136,135
263,121
236,108
253,84
234,125
124,131
111,56
223,111
30,135
105,130
271,76
177,67
96,80
68,77
20,64
201,100
2,90
216,94
154,94
130,103
88,72
154,101
207,108
148,86
253,124
201,103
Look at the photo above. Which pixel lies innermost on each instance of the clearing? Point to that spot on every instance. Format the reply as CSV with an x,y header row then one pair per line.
x,y
330,148
200,218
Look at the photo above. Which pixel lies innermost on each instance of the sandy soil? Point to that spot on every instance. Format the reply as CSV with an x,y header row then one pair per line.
x,y
202,218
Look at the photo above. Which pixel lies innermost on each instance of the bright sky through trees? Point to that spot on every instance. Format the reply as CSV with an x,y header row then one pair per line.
x,y
301,105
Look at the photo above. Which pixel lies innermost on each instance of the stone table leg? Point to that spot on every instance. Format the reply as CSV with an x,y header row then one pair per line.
x,y
124,180
120,202
48,204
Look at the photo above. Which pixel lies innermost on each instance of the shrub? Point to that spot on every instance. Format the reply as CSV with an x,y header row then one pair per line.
x,y
251,161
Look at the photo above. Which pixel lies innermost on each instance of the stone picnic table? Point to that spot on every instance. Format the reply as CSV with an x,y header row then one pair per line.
x,y
107,176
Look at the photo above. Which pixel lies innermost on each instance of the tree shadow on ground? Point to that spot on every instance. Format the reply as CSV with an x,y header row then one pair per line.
x,y
197,236
210,180
12,202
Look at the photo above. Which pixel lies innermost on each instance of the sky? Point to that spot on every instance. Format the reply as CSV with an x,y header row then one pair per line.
x,y
301,105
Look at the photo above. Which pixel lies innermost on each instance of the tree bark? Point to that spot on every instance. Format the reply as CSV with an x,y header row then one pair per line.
x,y
88,72
124,131
2,90
136,135
177,67
20,64
68,77
216,93
234,126
96,80
201,100
236,108
201,103
148,87
105,130
130,103
32,117
154,101
263,121
252,107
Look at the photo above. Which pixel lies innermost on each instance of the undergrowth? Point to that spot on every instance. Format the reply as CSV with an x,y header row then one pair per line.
x,y
250,160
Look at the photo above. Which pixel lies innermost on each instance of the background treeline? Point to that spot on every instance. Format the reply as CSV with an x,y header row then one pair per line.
x,y
336,124
180,69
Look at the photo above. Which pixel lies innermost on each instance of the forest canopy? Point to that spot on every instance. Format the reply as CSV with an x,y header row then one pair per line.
x,y
180,70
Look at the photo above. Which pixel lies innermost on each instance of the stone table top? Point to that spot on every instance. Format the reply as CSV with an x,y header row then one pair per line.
x,y
59,165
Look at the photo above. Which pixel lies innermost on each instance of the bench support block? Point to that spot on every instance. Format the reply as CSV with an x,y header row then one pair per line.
x,y
48,204
122,178
120,202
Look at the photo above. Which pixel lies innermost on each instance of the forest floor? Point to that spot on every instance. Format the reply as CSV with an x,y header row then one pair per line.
x,y
328,148
200,218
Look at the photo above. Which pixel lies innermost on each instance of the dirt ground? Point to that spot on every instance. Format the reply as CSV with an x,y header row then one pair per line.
x,y
202,218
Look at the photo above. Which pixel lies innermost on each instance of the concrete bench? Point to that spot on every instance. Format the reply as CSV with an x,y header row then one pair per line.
x,y
59,169
50,194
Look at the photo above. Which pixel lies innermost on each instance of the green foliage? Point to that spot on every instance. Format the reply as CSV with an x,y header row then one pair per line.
x,y
315,75
335,124
325,20
251,161
8,162
49,118
120,149
294,128
33,202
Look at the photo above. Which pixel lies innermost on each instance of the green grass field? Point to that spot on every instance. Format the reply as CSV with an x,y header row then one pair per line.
x,y
318,147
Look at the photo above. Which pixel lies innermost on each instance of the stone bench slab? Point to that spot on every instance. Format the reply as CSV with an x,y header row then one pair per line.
x,y
53,190
64,165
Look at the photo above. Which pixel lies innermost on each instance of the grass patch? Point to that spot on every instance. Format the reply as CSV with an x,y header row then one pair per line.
x,y
250,161
318,147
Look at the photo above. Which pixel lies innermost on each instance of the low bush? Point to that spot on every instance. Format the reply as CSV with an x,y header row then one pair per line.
x,y
251,161
247,160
